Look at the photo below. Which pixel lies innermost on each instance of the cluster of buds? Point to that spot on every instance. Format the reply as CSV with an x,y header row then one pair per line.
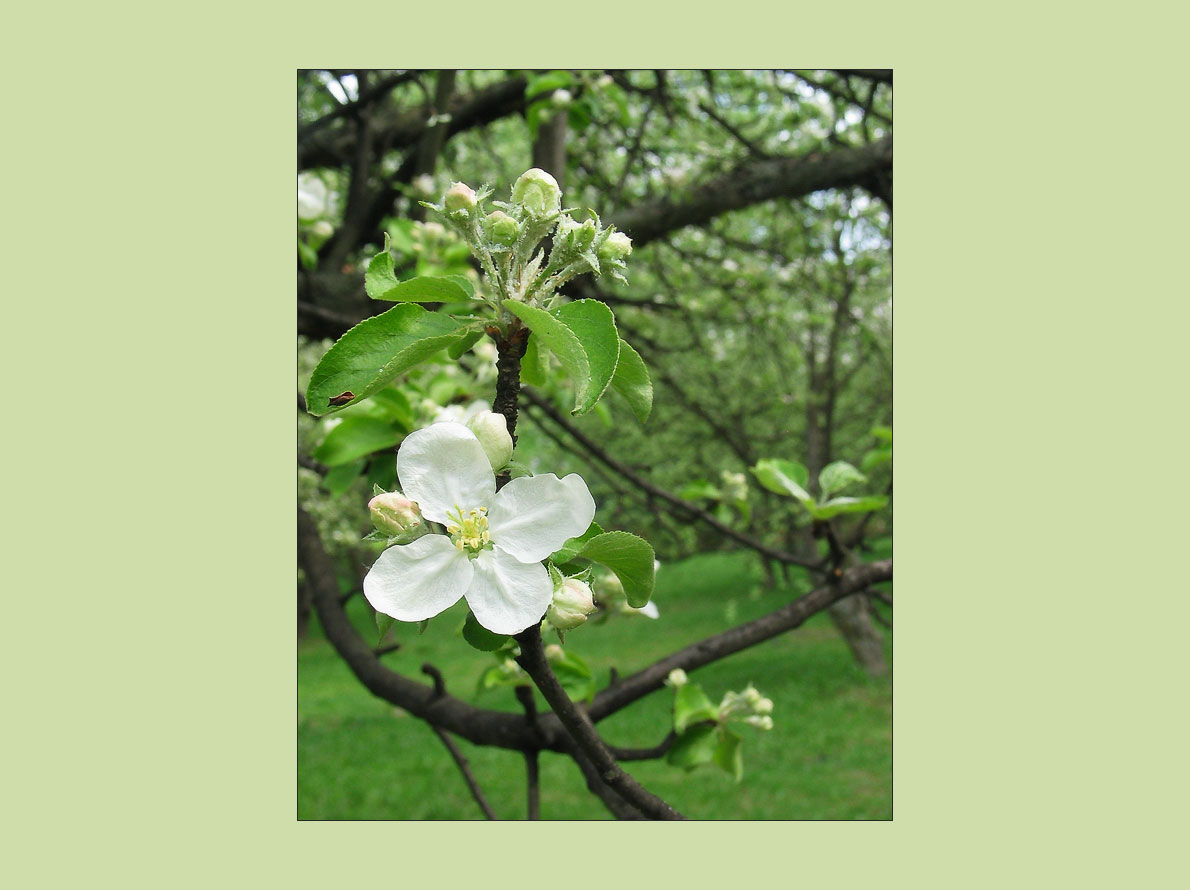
x,y
571,605
396,517
611,599
748,707
507,239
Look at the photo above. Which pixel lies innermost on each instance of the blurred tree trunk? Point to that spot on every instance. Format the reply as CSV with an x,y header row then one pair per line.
x,y
305,602
851,615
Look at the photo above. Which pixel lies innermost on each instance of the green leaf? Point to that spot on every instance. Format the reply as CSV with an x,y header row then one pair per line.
x,y
728,753
339,479
876,458
691,705
563,343
630,557
308,255
479,637
883,433
631,381
694,747
355,437
375,351
380,282
571,548
533,364
464,344
846,505
595,327
837,476
783,477
698,490
383,623
554,80
465,283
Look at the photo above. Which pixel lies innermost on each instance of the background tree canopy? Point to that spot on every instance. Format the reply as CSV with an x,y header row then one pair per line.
x,y
758,294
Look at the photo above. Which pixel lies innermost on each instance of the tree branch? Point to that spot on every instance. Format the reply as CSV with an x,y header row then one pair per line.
x,y
631,688
578,724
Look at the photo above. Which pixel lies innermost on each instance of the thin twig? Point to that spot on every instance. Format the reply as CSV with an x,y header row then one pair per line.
x,y
464,768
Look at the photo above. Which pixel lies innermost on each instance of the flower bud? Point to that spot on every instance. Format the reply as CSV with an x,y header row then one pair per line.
x,y
764,706
492,431
460,198
538,193
554,653
571,606
322,229
765,723
752,695
396,516
616,247
560,98
501,228
677,677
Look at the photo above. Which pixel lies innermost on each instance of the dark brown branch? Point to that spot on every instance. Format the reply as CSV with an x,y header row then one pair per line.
x,y
880,75
436,675
581,729
629,689
405,129
366,97
465,769
754,181
645,753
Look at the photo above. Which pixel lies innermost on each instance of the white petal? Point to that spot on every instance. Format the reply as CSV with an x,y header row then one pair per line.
x,y
508,595
442,467
417,581
533,516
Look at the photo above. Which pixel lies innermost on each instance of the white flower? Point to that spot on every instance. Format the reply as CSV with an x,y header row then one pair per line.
x,y
496,539
649,610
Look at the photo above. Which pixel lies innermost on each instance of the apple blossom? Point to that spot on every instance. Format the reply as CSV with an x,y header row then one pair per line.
x,y
495,540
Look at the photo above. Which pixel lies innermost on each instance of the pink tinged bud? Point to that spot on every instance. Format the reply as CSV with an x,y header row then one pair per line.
x,y
616,247
396,516
571,606
491,430
538,193
459,198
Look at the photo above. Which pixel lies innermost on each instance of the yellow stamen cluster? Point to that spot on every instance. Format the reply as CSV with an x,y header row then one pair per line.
x,y
469,530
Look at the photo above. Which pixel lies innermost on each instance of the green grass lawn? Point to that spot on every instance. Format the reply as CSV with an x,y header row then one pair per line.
x,y
829,755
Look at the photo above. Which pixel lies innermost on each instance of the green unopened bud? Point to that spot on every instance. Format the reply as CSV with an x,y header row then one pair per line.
x,y
571,606
752,695
396,516
554,653
765,723
616,247
677,678
460,199
538,193
491,430
501,228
